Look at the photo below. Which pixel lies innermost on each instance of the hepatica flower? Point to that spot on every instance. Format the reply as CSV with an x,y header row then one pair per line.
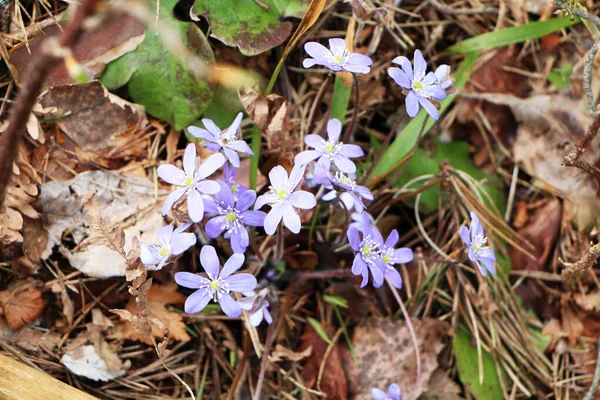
x,y
257,306
217,139
422,87
191,181
218,284
391,256
481,254
393,393
330,150
351,194
170,243
337,58
229,175
368,255
283,197
232,216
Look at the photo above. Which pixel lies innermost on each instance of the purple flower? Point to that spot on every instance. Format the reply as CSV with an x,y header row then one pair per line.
x,y
283,197
368,254
476,241
337,59
257,306
170,243
229,175
216,139
328,151
351,194
218,285
191,181
391,256
358,218
392,394
421,86
232,217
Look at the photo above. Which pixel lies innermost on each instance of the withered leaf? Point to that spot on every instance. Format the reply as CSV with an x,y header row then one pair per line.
x,y
22,304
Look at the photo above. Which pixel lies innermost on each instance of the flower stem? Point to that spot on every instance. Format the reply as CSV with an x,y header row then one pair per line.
x,y
410,326
265,358
279,244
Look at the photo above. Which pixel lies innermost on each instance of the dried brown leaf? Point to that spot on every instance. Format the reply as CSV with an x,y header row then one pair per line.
x,y
103,232
22,304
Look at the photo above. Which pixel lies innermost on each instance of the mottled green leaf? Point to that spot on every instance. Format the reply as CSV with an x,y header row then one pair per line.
x,y
468,368
247,25
157,79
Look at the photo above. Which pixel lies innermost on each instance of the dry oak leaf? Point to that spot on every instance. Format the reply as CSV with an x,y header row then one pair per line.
x,y
22,304
386,355
157,299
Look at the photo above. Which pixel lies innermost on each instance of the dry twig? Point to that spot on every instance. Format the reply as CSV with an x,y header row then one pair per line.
x,y
573,157
586,262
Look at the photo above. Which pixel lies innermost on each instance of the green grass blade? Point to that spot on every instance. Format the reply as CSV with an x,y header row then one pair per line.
x,y
516,34
319,329
405,141
340,99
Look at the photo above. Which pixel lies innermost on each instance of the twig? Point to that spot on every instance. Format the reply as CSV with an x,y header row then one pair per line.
x,y
50,54
410,326
564,5
586,262
463,11
592,390
573,158
587,79
265,359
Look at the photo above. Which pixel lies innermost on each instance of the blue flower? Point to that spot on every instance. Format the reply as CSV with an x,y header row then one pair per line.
x,y
257,306
475,239
392,394
218,283
391,256
351,194
368,254
170,243
338,58
421,86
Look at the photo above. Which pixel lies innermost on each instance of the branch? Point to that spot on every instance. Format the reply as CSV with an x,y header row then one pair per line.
x,y
51,53
566,6
586,262
462,11
574,157
587,79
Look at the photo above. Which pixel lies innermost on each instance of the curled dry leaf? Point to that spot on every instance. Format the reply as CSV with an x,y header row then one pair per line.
x,y
22,304
21,193
85,361
156,301
386,355
35,339
283,353
97,121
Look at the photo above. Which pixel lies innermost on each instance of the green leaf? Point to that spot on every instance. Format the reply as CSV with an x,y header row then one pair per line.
x,y
336,301
319,329
405,141
540,340
468,370
157,80
516,34
247,25
560,77
340,99
457,153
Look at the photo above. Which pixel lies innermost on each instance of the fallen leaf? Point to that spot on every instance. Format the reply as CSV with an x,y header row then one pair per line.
x,y
36,340
589,301
98,121
333,381
441,387
22,304
85,361
283,353
157,299
386,355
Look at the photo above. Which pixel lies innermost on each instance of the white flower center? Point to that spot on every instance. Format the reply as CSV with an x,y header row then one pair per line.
x,y
215,287
331,149
232,218
478,243
338,59
420,88
281,194
369,249
345,180
164,252
188,182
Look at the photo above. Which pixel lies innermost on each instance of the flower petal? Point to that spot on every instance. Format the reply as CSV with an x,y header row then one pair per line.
x,y
224,195
147,256
273,218
235,126
182,242
254,218
202,134
412,104
392,239
429,107
189,160
164,235
196,302
212,127
419,62
403,255
464,235
344,164
353,238
306,156
290,219
315,141
231,265
171,174
378,394
172,198
377,275
208,187
267,198
476,227
195,206
215,226
405,64
245,200
316,51
210,261
229,306
210,165
358,265
241,282
334,129
232,156
351,151
256,318
399,77
302,199
337,46
278,177
189,280
393,276
394,391
241,147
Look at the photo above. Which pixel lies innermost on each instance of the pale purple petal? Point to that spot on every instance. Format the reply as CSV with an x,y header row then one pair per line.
x,y
394,391
164,234
273,218
438,93
147,255
302,199
489,264
235,125
403,255
393,276
246,200
210,261
256,318
215,226
172,198
212,127
202,134
486,253
171,174
329,196
334,129
241,147
208,187
182,242
412,104
358,265
309,62
267,198
351,151
189,280
419,62
278,177
353,238
359,59
241,282
476,227
232,156
290,219
337,46
306,156
464,235
195,206
189,160
229,306
315,141
213,146
267,315
210,165
377,275
399,77
239,240
392,239
406,66
210,206
348,201
378,394
344,164
429,107
224,195
196,302
356,68
296,175
254,218
231,265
